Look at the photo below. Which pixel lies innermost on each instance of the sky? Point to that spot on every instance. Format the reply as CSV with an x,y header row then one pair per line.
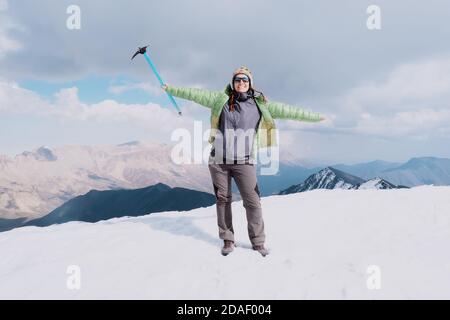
x,y
384,92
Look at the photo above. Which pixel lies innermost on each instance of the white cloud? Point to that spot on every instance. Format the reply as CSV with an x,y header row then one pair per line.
x,y
413,99
67,106
310,62
145,86
7,43
308,59
416,123
3,5
410,105
407,87
14,99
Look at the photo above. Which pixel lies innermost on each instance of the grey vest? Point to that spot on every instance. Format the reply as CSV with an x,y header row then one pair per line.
x,y
234,141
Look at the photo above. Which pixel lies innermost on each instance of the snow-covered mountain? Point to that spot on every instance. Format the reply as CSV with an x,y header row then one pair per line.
x,y
324,244
34,183
419,171
287,175
414,172
328,178
378,183
367,170
332,178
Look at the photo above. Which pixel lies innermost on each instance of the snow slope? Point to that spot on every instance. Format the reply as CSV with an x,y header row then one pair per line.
x,y
321,243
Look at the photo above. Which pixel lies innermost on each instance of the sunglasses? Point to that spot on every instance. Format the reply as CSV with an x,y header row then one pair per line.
x,y
239,79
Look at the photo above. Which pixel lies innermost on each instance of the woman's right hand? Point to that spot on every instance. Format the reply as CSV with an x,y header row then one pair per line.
x,y
164,87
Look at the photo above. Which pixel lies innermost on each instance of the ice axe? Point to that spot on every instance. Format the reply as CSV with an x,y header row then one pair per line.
x,y
143,51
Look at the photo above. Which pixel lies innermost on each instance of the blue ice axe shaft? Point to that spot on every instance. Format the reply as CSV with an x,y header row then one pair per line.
x,y
143,51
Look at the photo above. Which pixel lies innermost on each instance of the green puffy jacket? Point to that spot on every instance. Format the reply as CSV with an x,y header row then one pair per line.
x,y
270,110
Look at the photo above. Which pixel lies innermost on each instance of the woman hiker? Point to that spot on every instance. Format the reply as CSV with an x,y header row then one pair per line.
x,y
238,114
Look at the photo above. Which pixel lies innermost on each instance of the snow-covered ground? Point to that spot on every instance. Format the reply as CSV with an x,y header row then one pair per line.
x,y
322,244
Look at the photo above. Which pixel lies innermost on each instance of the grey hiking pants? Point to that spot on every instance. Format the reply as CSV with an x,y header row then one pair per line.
x,y
245,177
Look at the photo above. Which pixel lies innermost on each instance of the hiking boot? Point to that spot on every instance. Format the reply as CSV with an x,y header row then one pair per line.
x,y
228,247
261,249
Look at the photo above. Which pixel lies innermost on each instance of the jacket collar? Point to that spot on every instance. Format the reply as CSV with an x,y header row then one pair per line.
x,y
228,91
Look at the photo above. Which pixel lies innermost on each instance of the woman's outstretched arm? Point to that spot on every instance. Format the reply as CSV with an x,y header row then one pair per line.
x,y
280,110
203,97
